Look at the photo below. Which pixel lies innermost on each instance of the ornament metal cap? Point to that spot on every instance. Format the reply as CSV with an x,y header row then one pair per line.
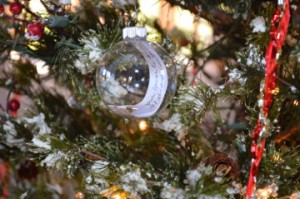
x,y
132,32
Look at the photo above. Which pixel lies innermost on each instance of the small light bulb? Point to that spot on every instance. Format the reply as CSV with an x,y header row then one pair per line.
x,y
143,125
42,68
264,193
276,157
296,102
275,91
79,195
116,196
119,195
14,55
101,20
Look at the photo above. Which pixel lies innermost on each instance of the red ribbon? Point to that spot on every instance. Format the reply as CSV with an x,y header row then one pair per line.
x,y
277,38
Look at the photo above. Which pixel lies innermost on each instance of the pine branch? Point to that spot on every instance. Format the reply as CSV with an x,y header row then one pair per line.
x,y
91,155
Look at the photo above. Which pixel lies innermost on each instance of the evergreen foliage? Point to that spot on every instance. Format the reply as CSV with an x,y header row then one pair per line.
x,y
75,141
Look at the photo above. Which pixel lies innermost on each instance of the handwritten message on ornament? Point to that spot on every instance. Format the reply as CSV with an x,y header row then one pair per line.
x,y
157,87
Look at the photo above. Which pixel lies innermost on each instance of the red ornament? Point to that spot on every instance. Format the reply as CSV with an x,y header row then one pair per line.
x,y
13,105
28,170
1,9
34,31
16,8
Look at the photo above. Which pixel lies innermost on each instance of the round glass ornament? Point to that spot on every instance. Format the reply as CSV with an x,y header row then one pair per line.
x,y
136,78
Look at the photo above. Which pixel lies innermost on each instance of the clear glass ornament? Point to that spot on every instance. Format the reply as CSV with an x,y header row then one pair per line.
x,y
136,78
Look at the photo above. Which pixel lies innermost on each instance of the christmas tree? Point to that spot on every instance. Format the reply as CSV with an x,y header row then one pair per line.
x,y
203,105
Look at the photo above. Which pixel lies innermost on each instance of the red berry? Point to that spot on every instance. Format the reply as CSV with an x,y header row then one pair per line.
x,y
13,105
34,31
16,8
1,9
